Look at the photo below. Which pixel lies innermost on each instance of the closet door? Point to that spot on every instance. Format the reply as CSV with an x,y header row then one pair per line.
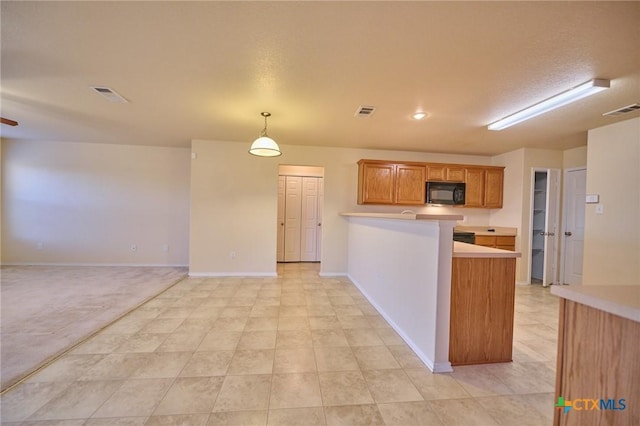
x,y
292,222
309,231
319,228
281,201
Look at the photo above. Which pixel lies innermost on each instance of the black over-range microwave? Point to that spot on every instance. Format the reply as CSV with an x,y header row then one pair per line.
x,y
449,193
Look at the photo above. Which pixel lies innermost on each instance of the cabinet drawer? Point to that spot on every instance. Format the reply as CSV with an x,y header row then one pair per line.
x,y
485,240
505,241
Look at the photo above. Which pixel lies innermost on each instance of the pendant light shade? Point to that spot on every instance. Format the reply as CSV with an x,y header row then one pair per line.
x,y
264,146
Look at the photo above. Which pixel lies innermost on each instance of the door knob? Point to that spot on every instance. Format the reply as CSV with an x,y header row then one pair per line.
x,y
568,233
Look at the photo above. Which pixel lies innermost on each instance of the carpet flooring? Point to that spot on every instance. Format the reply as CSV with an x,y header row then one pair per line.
x,y
45,310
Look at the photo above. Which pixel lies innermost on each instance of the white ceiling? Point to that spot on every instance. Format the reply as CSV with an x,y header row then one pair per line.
x,y
205,70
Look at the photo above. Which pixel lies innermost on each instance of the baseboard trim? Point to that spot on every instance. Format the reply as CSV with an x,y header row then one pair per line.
x,y
133,265
233,274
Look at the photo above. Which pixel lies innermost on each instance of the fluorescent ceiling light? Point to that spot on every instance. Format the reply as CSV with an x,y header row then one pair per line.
x,y
585,89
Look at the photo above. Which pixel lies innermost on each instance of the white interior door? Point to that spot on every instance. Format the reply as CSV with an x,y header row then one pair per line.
x,y
575,190
309,222
551,228
281,204
293,212
319,228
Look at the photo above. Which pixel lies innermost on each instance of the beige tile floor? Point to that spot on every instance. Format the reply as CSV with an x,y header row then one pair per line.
x,y
292,350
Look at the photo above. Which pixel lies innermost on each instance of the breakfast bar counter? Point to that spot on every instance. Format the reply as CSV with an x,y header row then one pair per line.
x,y
402,264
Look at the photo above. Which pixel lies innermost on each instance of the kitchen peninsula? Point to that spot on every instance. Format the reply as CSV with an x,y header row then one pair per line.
x,y
598,354
403,263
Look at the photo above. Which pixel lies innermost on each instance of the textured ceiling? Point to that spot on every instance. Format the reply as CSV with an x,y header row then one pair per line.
x,y
205,70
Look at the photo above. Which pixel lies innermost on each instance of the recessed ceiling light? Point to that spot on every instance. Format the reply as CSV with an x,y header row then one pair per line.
x,y
419,115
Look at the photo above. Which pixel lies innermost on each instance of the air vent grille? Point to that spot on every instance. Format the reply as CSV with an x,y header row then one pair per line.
x,y
365,111
109,94
623,110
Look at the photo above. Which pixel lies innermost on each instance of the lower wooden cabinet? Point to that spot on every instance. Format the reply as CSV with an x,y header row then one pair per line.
x,y
482,309
497,241
598,358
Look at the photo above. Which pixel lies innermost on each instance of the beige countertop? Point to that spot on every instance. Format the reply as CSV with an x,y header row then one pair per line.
x,y
405,216
472,250
500,231
620,300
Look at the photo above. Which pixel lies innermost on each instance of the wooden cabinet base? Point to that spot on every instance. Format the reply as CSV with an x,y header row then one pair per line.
x,y
482,308
598,359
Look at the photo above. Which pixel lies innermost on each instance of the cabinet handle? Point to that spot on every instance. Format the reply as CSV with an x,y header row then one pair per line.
x,y
319,224
568,233
281,223
543,233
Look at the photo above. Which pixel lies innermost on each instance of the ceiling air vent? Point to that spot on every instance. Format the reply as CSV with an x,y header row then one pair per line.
x,y
365,111
110,94
623,110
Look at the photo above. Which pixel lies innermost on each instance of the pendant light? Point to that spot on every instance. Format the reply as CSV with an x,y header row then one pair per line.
x,y
264,146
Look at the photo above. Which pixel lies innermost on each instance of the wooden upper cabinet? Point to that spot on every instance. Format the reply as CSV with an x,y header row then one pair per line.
x,y
493,184
455,174
410,184
484,187
376,183
445,173
390,183
403,183
474,188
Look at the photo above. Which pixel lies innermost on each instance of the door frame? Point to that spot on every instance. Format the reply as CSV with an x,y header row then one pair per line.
x,y
302,171
564,216
557,224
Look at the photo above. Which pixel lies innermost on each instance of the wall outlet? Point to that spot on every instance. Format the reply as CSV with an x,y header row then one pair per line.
x,y
40,246
232,254
134,247
599,209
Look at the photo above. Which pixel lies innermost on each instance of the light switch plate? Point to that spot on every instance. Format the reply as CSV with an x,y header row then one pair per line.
x,y
592,198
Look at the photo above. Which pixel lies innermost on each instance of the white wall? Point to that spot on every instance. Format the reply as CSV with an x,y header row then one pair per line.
x,y
576,157
234,203
612,239
88,203
403,267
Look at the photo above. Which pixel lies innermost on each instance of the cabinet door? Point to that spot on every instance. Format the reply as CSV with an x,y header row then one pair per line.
x,y
436,173
506,243
455,174
410,184
493,188
474,179
376,184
